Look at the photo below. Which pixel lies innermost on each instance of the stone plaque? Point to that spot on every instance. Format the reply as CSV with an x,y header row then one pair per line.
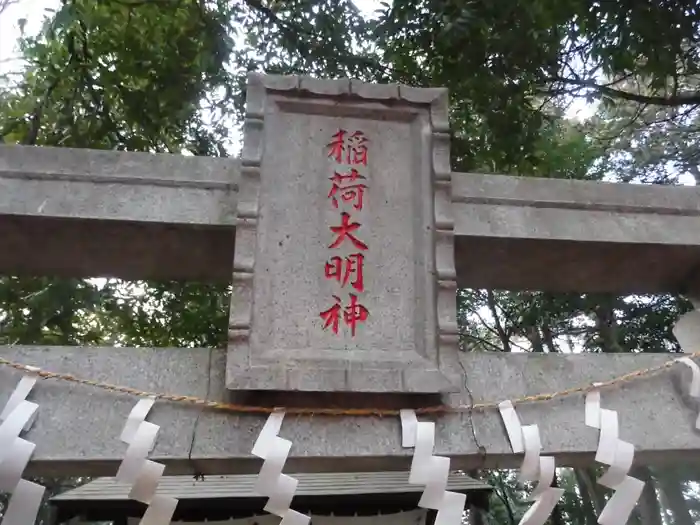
x,y
344,267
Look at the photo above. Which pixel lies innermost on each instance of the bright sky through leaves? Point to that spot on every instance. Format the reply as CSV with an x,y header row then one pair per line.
x,y
33,11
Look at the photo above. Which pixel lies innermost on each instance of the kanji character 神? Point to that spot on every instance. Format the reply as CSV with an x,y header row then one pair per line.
x,y
349,149
331,317
345,231
353,314
342,269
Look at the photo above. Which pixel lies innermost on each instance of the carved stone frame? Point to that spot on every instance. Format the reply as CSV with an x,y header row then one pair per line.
x,y
390,376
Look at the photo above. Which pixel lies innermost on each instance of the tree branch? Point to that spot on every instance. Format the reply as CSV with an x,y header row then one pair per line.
x,y
4,4
680,99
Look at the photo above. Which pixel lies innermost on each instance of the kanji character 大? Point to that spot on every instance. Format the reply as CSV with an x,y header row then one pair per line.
x,y
345,231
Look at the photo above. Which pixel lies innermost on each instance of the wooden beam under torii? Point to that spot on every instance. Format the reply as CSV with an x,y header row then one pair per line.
x,y
428,230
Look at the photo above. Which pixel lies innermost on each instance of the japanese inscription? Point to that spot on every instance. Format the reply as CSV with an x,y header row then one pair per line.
x,y
336,283
348,189
348,148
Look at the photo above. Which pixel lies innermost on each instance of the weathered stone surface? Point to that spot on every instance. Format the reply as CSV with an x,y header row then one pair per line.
x,y
78,212
137,215
375,91
319,86
74,248
78,428
561,235
111,185
89,213
287,210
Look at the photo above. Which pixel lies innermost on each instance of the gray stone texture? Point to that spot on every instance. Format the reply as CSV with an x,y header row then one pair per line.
x,y
137,215
78,427
563,235
283,241
132,215
74,212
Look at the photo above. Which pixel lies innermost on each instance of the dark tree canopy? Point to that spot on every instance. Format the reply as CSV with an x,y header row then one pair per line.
x,y
169,76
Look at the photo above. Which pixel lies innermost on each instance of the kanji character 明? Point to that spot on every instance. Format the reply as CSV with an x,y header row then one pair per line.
x,y
341,269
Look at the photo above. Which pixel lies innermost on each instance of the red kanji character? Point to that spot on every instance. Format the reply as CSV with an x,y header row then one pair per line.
x,y
354,265
336,147
339,178
355,313
345,230
331,317
357,149
355,193
354,147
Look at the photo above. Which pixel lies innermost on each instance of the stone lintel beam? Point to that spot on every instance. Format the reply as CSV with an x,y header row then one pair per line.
x,y
523,233
162,216
77,431
81,212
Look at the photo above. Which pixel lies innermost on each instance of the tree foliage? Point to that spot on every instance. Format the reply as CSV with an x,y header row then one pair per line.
x,y
168,76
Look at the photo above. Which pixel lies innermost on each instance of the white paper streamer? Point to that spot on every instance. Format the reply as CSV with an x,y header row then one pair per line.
x,y
135,457
17,415
542,508
11,428
534,467
136,417
24,504
279,488
694,386
592,408
607,442
431,471
616,474
14,464
20,394
530,469
618,455
451,510
620,506
545,478
687,332
160,510
512,424
409,424
141,473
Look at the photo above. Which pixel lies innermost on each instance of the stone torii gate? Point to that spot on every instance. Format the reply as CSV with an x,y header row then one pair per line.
x,y
337,178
